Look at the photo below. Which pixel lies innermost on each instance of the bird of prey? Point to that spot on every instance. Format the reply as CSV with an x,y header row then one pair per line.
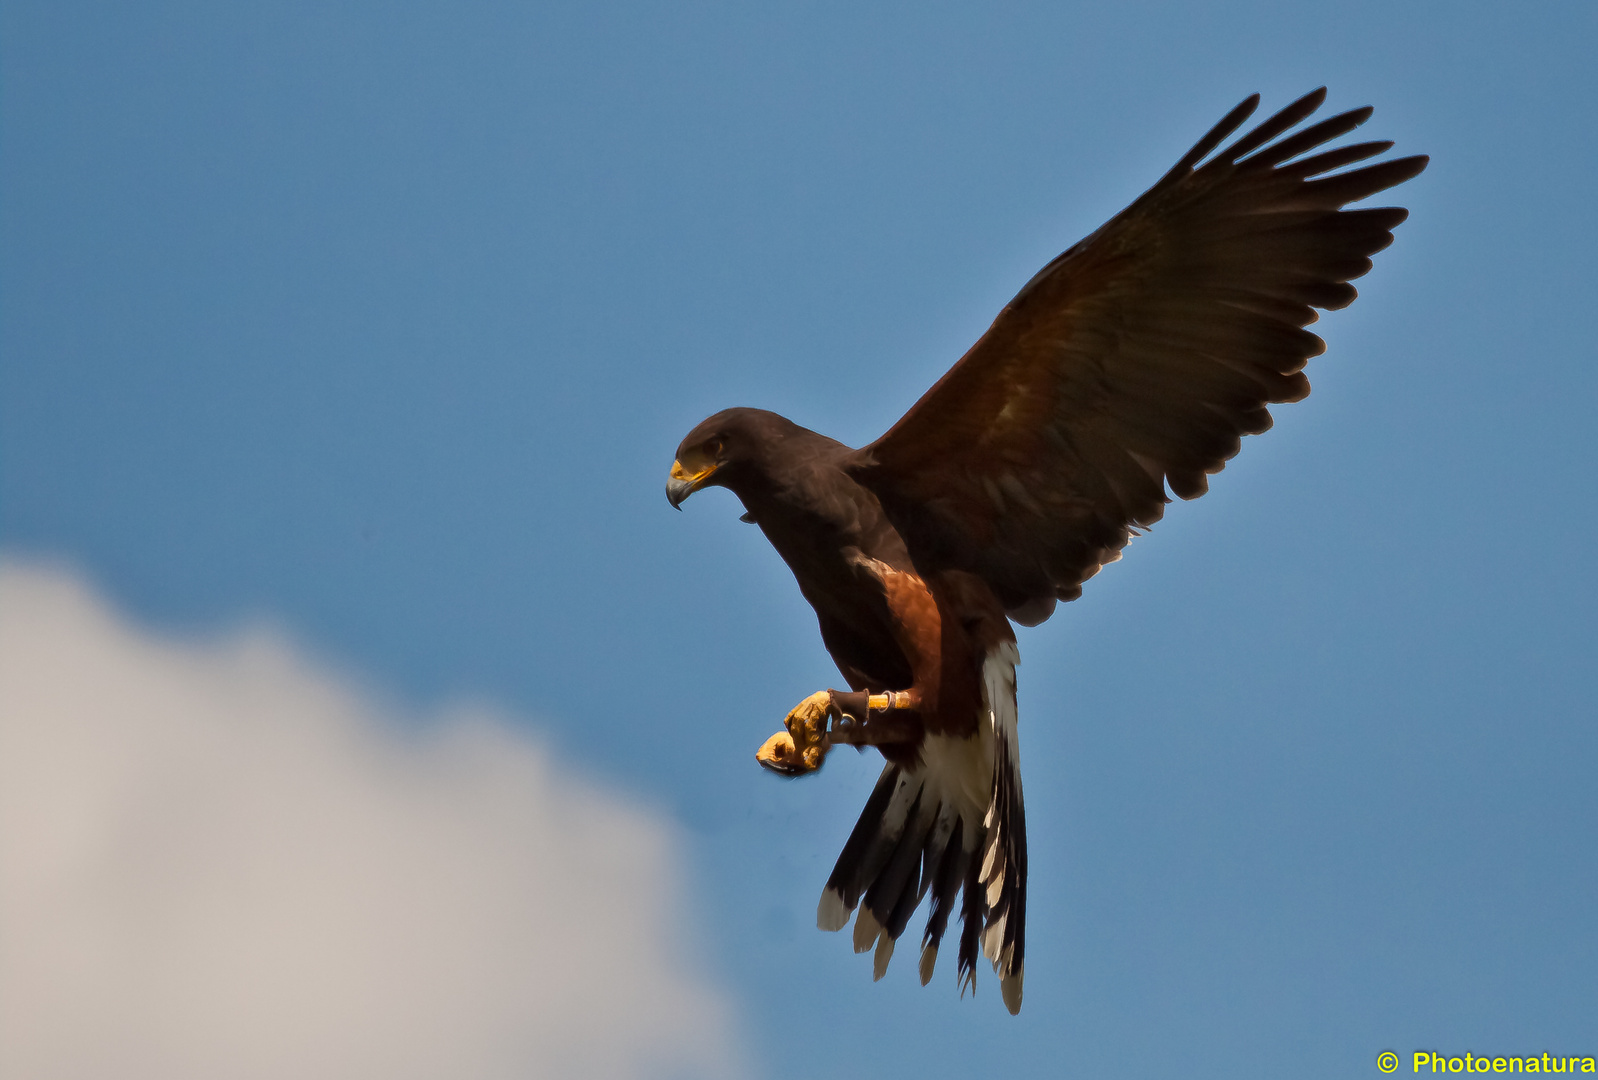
x,y
1131,364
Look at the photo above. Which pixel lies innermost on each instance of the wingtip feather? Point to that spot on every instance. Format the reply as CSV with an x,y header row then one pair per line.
x,y
1228,124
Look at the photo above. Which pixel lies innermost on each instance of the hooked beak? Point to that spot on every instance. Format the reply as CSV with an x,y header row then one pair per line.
x,y
684,483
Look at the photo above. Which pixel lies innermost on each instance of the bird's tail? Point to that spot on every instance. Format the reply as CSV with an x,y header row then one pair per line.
x,y
952,823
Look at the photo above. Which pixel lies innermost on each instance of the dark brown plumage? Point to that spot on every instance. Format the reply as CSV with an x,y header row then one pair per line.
x,y
1133,362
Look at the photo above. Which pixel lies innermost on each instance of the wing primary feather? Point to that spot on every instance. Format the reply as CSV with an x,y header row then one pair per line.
x,y
1311,137
1363,183
1336,159
1273,127
1228,124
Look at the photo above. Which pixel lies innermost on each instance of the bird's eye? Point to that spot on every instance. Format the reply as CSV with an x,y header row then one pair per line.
x,y
713,448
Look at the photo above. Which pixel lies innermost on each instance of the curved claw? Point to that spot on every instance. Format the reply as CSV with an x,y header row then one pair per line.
x,y
779,754
803,746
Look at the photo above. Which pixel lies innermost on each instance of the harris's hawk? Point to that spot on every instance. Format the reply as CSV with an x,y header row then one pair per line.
x,y
1131,364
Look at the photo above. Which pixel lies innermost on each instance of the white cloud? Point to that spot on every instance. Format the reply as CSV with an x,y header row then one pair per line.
x,y
219,861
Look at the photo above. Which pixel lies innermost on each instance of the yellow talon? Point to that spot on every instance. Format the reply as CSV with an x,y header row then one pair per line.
x,y
803,746
779,755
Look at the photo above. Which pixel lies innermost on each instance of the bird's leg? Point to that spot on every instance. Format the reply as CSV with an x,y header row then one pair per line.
x,y
859,719
865,719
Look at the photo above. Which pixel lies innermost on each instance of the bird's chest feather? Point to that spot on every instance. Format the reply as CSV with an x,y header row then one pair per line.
x,y
838,580
834,537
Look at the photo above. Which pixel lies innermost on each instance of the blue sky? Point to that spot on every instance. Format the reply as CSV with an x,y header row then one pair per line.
x,y
380,323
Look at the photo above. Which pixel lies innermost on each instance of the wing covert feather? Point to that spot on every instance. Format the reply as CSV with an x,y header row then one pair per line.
x,y
1136,360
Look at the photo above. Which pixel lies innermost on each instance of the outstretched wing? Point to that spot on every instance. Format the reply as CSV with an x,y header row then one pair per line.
x,y
1136,360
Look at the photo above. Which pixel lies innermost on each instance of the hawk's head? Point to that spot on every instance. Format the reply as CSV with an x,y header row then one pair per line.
x,y
731,449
